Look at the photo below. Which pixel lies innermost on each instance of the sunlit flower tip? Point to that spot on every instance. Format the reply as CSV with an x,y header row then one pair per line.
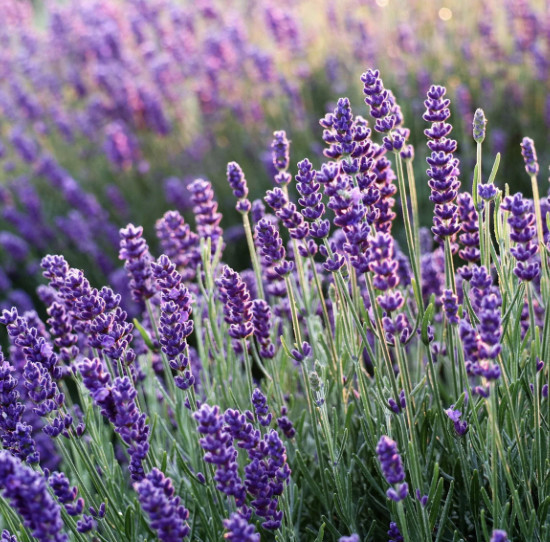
x,y
529,156
499,535
479,125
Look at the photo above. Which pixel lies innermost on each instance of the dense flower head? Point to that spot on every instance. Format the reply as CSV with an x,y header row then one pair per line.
x,y
205,209
237,182
523,232
479,126
281,159
261,409
392,468
167,516
529,156
66,494
239,530
468,237
498,535
220,452
376,96
308,188
27,492
449,300
236,303
443,171
135,252
178,242
271,247
261,321
394,533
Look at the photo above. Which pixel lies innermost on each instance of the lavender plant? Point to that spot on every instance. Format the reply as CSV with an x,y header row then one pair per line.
x,y
337,387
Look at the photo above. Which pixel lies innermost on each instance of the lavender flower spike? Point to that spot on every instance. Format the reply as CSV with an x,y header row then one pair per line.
x,y
281,160
239,530
392,468
499,536
479,124
166,515
28,494
529,156
237,182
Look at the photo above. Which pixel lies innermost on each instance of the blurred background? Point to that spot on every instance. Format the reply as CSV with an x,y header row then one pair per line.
x,y
109,108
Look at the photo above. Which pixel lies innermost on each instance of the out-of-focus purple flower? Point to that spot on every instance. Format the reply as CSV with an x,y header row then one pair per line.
x,y
529,156
443,171
449,300
280,153
27,492
179,243
206,213
239,530
167,516
121,146
135,252
394,533
395,406
175,191
523,233
7,536
392,468
259,401
285,425
499,535
351,538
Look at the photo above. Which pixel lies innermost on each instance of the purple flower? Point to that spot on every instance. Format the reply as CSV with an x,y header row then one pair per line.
x,y
236,303
16,435
308,188
271,247
392,468
219,451
479,126
285,425
376,96
175,319
237,182
7,536
499,535
469,228
206,213
239,530
167,516
461,427
394,533
351,538
260,407
523,233
27,492
450,306
443,171
529,156
179,243
66,494
384,269
261,322
280,152
135,252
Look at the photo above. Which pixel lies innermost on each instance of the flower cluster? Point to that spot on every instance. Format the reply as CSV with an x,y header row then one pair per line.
x,y
392,468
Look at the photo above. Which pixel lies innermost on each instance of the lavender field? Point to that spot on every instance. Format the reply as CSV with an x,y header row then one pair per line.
x,y
274,270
